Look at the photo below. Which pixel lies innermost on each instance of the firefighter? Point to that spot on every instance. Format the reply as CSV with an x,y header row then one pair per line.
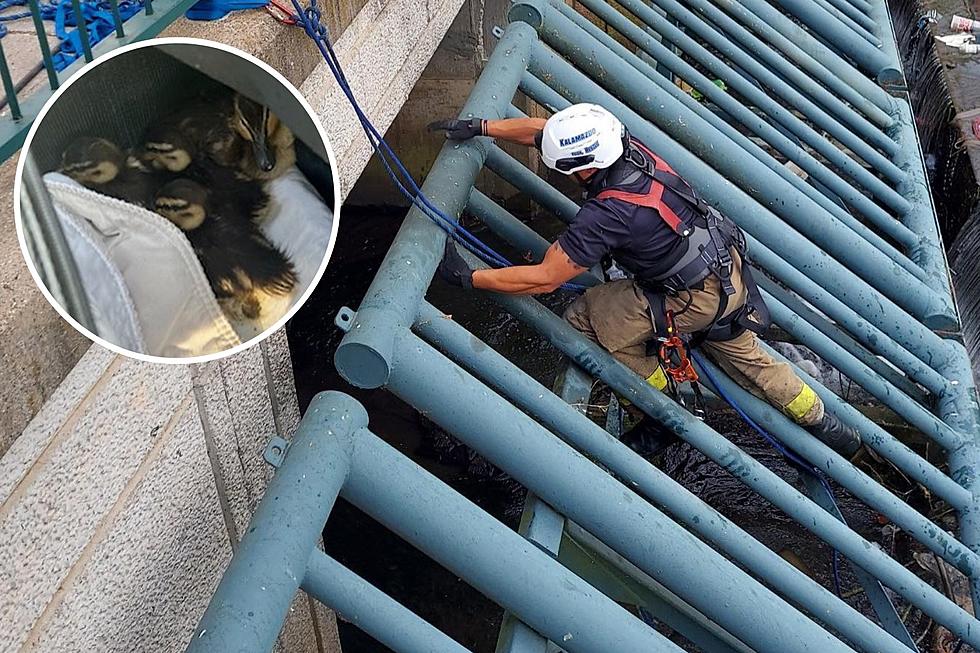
x,y
684,258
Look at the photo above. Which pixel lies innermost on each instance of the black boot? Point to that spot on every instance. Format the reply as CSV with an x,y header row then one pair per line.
x,y
843,439
649,438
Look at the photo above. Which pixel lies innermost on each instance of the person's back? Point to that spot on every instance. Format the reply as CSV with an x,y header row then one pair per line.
x,y
685,258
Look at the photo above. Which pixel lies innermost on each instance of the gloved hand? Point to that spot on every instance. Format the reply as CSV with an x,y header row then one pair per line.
x,y
460,130
453,269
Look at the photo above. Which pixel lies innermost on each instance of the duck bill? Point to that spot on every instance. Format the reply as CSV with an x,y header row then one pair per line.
x,y
264,158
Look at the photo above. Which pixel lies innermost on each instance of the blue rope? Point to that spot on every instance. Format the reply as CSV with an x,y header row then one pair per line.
x,y
778,446
310,20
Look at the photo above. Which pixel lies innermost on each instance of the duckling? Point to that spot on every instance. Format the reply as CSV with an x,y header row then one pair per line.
x,y
232,131
239,197
197,132
238,260
272,142
101,165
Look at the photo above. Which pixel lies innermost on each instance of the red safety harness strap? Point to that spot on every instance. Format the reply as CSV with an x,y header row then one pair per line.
x,y
653,198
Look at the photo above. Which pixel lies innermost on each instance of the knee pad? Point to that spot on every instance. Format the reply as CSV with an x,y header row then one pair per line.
x,y
657,380
803,406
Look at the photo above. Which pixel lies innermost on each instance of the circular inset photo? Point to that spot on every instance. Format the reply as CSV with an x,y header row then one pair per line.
x,y
175,200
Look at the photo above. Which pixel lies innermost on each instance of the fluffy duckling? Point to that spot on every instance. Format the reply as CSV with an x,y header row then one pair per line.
x,y
270,141
237,196
231,131
239,262
101,165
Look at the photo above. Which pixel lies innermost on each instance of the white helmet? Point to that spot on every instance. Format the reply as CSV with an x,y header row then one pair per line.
x,y
581,136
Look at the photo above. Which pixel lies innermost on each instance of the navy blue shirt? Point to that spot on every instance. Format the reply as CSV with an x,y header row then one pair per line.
x,y
636,236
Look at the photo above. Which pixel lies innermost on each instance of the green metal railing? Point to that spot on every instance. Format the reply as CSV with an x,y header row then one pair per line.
x,y
20,112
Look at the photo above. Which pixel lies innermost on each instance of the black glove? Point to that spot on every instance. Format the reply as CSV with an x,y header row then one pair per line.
x,y
453,269
460,130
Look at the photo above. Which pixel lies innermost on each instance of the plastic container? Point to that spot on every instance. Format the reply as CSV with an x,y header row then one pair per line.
x,y
961,24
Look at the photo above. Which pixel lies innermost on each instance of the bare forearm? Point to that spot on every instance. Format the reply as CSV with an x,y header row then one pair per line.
x,y
522,131
516,280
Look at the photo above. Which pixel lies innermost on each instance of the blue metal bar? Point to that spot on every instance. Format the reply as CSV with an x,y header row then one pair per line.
x,y
861,5
371,610
581,432
880,601
777,139
867,56
616,576
906,344
761,99
933,309
842,339
864,95
818,49
600,363
922,219
543,526
860,17
855,14
959,409
253,597
515,232
493,559
418,247
517,175
514,112
578,489
797,77
851,26
930,425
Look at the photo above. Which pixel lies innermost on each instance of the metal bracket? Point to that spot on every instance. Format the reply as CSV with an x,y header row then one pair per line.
x,y
345,319
275,451
497,31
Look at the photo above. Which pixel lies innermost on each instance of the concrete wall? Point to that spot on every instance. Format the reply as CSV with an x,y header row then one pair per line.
x,y
383,52
123,498
441,92
127,494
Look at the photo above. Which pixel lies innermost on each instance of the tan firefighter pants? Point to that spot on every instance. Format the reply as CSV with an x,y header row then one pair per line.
x,y
616,315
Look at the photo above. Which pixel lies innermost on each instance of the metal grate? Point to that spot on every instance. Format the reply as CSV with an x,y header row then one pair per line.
x,y
855,270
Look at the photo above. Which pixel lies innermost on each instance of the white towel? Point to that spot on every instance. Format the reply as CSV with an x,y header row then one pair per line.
x,y
148,291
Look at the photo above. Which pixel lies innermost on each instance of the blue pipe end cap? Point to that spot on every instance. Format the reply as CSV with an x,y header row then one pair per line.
x,y
526,11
